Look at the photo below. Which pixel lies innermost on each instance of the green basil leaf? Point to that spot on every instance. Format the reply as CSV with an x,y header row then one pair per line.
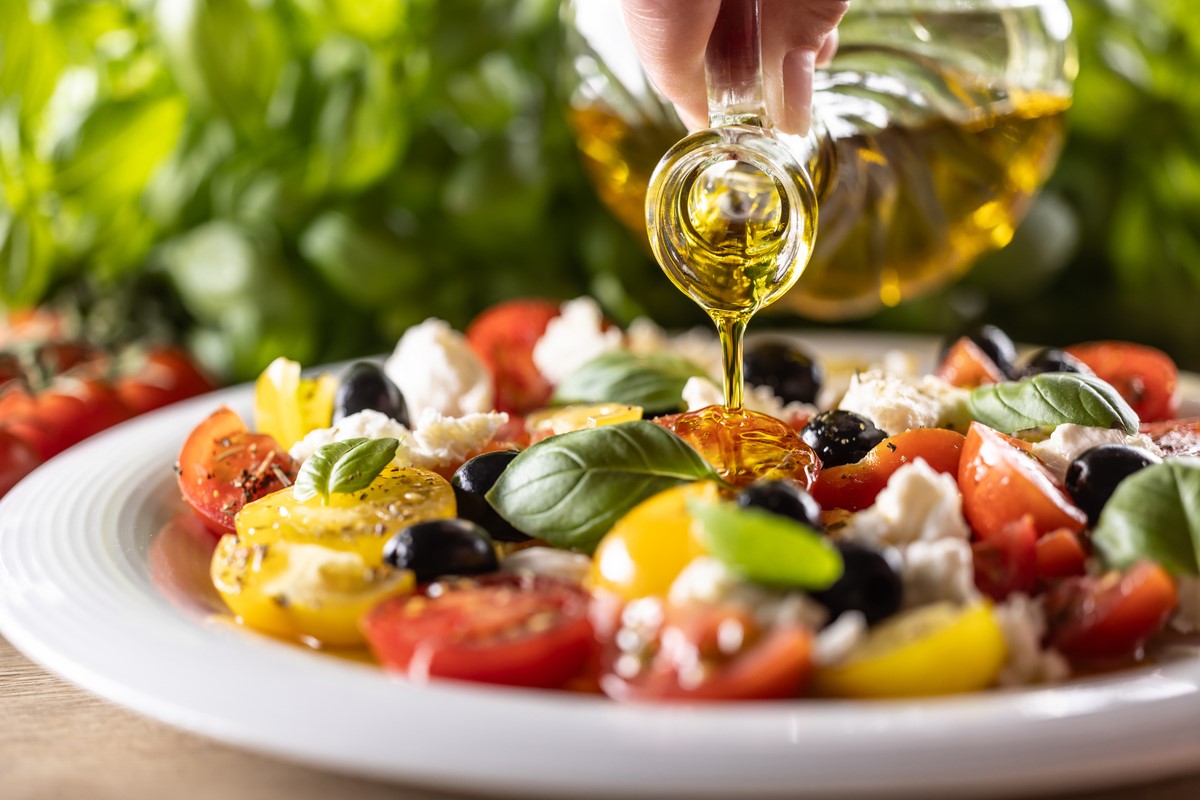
x,y
1054,398
767,548
1154,514
345,466
570,489
654,380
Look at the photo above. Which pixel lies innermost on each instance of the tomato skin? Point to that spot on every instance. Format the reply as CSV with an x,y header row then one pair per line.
x,y
1112,616
854,487
1006,561
17,459
69,411
1001,482
1146,377
477,630
1175,437
223,466
767,665
967,366
503,337
165,375
1060,554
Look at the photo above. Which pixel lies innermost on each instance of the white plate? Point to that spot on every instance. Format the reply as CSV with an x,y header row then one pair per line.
x,y
88,592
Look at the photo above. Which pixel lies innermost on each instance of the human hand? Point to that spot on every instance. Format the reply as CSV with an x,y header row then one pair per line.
x,y
671,37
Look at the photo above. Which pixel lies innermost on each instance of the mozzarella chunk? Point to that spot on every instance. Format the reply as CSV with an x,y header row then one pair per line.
x,y
1023,623
1069,441
573,338
436,370
701,392
938,570
918,504
361,425
896,404
707,581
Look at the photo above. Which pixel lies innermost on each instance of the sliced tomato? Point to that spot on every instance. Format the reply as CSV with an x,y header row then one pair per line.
x,y
1060,554
854,487
1006,561
1110,617
503,337
1175,437
966,365
1001,482
1146,377
710,652
17,459
223,466
163,376
515,630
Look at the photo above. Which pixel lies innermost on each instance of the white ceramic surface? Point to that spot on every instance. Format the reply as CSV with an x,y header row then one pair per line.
x,y
84,592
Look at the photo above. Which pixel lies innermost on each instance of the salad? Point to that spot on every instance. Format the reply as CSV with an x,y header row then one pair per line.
x,y
549,501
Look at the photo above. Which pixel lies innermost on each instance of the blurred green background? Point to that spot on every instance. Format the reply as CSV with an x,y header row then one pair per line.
x,y
310,177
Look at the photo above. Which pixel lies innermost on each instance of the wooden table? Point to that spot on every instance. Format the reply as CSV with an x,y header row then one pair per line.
x,y
57,741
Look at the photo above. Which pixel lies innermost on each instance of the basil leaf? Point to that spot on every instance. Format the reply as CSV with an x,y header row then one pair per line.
x,y
654,381
1154,514
1051,399
768,548
345,466
570,489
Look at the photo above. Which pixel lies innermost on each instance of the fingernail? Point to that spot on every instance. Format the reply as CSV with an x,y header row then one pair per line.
x,y
798,68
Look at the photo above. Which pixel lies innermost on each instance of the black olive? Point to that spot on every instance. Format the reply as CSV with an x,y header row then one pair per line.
x,y
791,373
783,497
442,547
841,437
870,583
365,387
475,479
1052,359
994,343
1093,476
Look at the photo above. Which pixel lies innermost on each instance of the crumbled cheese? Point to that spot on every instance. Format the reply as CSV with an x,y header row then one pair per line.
x,y
573,338
896,405
918,504
701,392
839,638
1069,441
933,571
698,345
1023,623
438,441
549,562
436,370
707,581
1187,613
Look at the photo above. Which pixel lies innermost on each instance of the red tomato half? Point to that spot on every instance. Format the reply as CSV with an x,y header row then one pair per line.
x,y
505,629
166,375
1001,483
503,337
223,466
854,487
1175,437
712,652
1006,561
1112,616
1147,378
1060,554
17,459
966,365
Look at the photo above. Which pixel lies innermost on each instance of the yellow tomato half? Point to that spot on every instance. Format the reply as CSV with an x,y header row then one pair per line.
x,y
648,547
359,522
931,650
287,407
302,591
555,421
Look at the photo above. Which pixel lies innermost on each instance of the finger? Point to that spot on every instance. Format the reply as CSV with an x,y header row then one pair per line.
x,y
828,50
670,37
794,32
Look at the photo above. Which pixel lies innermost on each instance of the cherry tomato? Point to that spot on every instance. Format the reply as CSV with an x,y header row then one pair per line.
x,y
66,413
966,365
855,486
223,466
1006,561
79,357
710,652
17,459
516,630
1060,554
1112,616
166,375
1001,482
1175,437
1147,378
503,337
